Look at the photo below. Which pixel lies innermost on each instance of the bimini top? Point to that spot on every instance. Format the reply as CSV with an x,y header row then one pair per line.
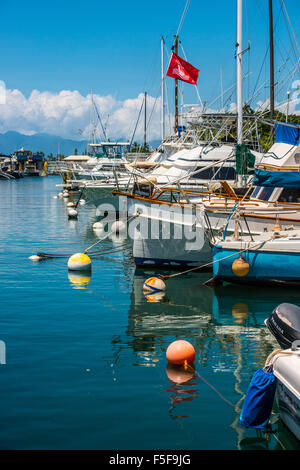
x,y
77,158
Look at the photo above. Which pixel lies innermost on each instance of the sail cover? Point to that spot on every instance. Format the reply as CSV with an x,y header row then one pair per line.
x,y
287,134
279,179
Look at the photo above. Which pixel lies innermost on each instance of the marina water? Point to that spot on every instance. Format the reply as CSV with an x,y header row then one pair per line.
x,y
82,363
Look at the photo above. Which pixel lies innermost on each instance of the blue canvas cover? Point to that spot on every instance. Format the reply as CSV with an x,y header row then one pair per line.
x,y
279,179
259,400
287,134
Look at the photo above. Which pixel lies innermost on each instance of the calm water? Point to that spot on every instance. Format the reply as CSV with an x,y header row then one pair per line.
x,y
85,358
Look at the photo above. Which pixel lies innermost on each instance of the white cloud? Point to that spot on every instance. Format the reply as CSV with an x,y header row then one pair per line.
x,y
66,112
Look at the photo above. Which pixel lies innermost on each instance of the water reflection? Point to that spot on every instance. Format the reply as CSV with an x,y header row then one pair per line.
x,y
79,280
183,387
226,326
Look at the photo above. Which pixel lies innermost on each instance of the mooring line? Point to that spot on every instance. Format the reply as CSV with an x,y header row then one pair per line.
x,y
212,262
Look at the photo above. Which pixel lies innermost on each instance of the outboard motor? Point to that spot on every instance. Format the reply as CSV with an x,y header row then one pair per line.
x,y
284,324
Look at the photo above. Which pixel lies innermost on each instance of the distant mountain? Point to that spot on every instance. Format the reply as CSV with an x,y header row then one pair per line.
x,y
12,141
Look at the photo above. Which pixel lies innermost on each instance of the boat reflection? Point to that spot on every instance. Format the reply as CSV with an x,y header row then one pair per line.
x,y
225,324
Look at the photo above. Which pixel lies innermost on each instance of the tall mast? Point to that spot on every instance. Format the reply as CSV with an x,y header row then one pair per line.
x,y
176,86
239,84
145,120
162,91
271,67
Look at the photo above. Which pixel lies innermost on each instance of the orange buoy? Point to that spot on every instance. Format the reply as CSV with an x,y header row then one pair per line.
x,y
180,352
240,267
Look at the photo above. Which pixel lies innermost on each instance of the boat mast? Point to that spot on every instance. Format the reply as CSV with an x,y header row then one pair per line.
x,y
176,87
145,121
162,91
271,67
239,83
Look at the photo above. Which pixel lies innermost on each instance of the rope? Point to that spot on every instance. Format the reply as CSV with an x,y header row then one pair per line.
x,y
211,262
187,366
92,255
107,235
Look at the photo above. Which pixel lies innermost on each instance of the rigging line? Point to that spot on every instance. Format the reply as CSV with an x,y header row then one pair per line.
x,y
289,36
103,130
196,88
267,51
137,122
183,16
298,50
153,108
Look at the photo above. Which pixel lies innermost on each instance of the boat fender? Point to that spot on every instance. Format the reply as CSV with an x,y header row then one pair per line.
x,y
240,267
257,407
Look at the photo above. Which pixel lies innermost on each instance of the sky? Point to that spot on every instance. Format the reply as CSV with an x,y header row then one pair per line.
x,y
55,53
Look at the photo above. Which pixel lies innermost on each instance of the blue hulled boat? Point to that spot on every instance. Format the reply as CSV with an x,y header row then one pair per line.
x,y
269,258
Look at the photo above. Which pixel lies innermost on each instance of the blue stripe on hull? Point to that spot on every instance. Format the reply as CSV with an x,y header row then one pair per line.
x,y
264,266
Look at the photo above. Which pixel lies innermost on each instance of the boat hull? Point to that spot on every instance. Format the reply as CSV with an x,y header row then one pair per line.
x,y
266,267
287,371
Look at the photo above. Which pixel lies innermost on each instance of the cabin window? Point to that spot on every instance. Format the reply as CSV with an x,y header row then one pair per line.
x,y
289,195
256,191
265,194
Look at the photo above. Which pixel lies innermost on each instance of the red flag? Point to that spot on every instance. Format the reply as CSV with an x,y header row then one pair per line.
x,y
182,70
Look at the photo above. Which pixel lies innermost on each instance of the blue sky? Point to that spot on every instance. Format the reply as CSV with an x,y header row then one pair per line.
x,y
113,47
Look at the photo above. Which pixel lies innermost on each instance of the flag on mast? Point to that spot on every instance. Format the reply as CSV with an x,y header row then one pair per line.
x,y
182,70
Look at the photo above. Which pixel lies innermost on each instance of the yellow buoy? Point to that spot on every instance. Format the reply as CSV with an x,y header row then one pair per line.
x,y
35,258
154,284
79,262
240,267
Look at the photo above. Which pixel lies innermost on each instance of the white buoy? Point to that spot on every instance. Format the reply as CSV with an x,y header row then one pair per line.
x,y
60,194
82,202
72,214
98,226
65,194
79,262
35,258
55,197
70,204
154,284
118,226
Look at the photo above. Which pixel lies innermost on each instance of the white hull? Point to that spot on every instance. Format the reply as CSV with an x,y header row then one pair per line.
x,y
172,250
287,371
